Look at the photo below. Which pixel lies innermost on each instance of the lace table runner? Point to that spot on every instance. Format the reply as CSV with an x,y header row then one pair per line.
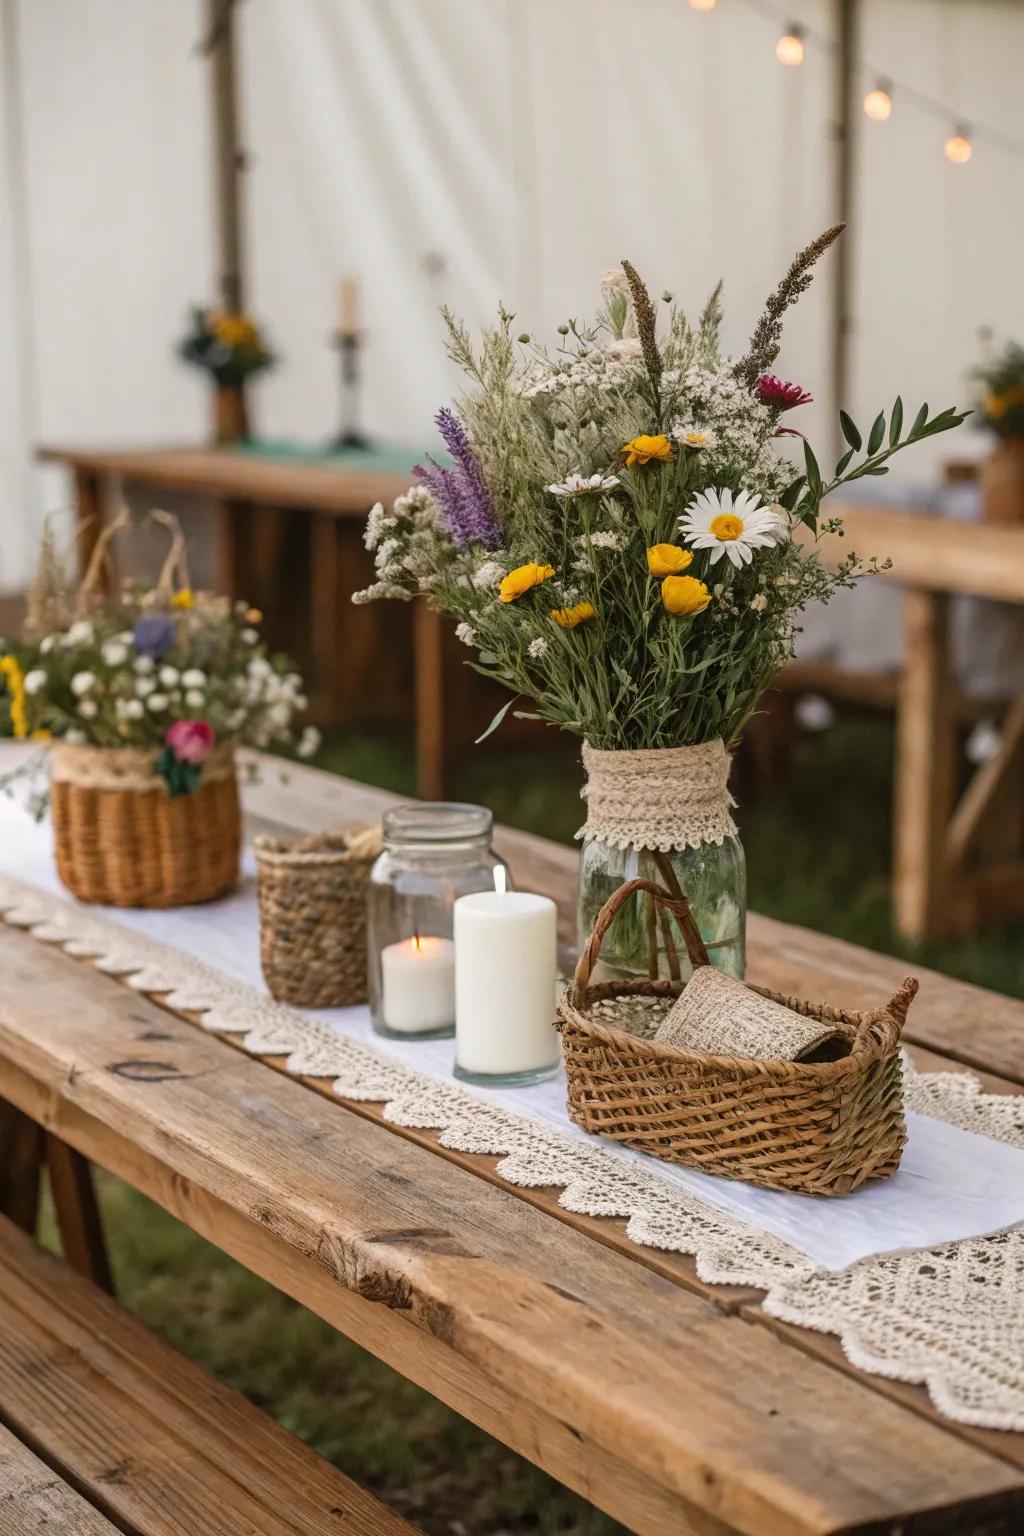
x,y
950,1317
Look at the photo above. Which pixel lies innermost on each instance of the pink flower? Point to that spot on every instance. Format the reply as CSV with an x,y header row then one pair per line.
x,y
191,741
780,394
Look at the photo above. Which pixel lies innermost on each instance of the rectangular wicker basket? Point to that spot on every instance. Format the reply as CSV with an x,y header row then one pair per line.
x,y
816,1127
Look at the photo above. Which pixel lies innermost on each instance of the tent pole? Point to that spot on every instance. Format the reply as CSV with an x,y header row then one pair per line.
x,y
847,29
229,159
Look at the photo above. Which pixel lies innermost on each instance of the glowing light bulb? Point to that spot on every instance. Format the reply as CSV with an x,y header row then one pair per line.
x,y
878,104
958,147
703,5
790,47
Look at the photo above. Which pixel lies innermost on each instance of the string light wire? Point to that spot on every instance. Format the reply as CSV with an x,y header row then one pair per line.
x,y
956,125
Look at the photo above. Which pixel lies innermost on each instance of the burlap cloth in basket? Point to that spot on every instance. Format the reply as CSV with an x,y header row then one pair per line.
x,y
722,1017
665,799
313,916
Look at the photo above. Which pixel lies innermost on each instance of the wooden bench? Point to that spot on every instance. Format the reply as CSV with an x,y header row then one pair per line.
x,y
104,1427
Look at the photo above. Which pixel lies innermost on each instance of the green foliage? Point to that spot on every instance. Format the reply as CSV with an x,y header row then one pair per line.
x,y
808,493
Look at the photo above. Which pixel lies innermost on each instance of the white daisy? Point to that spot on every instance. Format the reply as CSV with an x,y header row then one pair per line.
x,y
729,525
578,485
35,680
309,742
694,437
115,653
82,682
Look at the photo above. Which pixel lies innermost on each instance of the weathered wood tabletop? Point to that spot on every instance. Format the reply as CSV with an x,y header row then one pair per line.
x,y
675,1406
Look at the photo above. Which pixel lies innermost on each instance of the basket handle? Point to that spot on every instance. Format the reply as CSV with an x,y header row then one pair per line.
x,y
677,906
902,999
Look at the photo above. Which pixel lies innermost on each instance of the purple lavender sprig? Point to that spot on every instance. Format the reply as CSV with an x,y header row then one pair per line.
x,y
462,494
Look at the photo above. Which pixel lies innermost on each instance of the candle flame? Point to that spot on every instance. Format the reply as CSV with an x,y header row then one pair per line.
x,y
499,879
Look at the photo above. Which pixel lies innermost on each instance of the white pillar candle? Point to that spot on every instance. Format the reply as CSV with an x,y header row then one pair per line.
x,y
505,968
418,985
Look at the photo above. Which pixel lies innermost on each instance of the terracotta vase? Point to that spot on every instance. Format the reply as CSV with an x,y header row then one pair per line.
x,y
230,414
1002,482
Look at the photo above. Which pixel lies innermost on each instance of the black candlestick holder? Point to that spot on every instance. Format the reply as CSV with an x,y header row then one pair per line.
x,y
348,344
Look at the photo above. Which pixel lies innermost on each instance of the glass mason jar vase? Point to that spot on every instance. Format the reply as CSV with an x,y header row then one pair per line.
x,y
434,852
713,878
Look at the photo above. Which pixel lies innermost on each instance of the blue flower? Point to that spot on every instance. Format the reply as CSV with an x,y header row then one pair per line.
x,y
154,635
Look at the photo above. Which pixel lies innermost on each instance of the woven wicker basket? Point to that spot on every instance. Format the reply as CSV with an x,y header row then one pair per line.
x,y
122,839
821,1127
313,917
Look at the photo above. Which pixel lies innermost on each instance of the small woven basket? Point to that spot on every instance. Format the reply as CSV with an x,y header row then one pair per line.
x,y
313,916
815,1127
121,839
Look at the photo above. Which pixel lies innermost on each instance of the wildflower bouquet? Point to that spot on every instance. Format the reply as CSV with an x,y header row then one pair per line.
x,y
622,543
228,347
143,699
1002,402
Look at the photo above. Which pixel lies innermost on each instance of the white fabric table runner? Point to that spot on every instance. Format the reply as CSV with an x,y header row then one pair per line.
x,y
952,1183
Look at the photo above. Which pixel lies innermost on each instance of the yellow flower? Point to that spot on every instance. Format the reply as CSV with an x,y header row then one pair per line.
x,y
183,598
668,559
254,615
234,330
16,692
522,579
42,735
684,594
642,449
997,404
579,613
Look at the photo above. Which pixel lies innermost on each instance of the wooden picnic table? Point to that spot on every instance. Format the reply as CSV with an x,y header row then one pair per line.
x,y
941,886
248,490
680,1408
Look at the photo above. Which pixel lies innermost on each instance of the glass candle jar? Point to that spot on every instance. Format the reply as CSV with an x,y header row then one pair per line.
x,y
434,852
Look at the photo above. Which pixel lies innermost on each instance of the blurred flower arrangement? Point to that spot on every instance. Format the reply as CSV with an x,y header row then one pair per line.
x,y
230,348
158,667
615,536
1001,406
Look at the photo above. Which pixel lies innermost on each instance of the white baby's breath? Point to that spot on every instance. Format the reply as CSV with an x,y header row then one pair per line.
x,y
35,680
82,682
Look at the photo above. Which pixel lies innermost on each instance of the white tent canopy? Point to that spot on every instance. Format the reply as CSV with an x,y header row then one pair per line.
x,y
466,150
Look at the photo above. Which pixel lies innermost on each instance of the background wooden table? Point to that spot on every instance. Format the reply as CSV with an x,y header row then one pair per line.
x,y
254,495
941,885
678,1407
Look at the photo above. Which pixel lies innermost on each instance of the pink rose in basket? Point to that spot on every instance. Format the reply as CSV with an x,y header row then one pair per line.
x,y
191,741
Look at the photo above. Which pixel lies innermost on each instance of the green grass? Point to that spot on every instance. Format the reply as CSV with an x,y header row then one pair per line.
x,y
818,853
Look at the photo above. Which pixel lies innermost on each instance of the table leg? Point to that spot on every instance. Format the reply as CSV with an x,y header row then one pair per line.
x,y
88,514
325,614
229,553
21,1159
78,1215
925,760
428,662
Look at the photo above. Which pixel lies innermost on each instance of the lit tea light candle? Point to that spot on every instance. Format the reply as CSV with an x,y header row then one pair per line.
x,y
505,967
418,985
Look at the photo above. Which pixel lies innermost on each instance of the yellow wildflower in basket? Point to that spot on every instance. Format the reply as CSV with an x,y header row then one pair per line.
x,y
668,559
183,598
684,595
522,579
647,448
11,670
579,613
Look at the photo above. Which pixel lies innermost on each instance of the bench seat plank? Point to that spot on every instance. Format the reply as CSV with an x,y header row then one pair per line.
x,y
36,1502
150,1438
